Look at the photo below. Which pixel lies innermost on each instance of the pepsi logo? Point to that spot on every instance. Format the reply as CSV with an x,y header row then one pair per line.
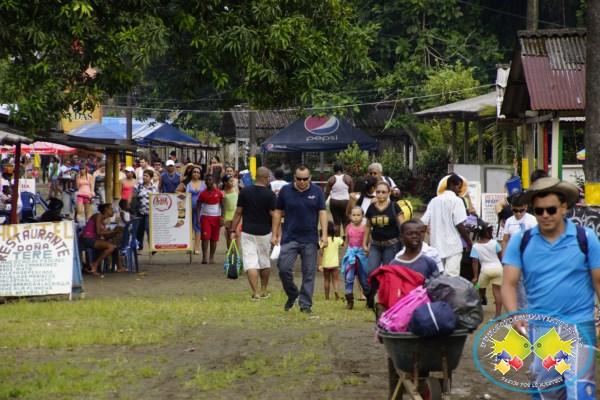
x,y
270,146
321,125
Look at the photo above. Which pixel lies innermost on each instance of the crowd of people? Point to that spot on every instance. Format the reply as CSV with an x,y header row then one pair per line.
x,y
351,230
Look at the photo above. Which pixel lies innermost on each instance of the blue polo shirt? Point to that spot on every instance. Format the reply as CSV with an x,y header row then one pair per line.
x,y
556,277
301,210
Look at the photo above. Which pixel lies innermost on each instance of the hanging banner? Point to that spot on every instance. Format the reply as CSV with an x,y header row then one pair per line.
x,y
170,222
36,259
488,211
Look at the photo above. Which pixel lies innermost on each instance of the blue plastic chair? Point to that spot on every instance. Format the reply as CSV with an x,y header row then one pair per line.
x,y
128,247
28,210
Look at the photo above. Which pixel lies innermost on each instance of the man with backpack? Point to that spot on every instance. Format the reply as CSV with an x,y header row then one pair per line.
x,y
560,265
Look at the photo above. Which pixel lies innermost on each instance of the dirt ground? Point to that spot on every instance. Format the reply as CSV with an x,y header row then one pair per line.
x,y
355,352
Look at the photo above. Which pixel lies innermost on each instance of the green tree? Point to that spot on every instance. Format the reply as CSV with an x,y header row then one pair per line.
x,y
47,47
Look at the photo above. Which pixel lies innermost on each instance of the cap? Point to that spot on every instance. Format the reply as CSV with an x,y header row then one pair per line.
x,y
129,169
170,163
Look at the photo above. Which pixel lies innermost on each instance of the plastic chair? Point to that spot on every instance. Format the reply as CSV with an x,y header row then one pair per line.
x,y
128,246
28,210
40,200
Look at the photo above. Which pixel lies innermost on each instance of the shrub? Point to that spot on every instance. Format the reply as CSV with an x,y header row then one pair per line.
x,y
432,166
354,160
392,162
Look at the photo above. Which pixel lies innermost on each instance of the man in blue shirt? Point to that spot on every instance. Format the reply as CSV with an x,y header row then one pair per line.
x,y
302,205
559,279
170,179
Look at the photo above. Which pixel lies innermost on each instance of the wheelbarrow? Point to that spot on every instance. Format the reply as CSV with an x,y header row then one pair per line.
x,y
421,367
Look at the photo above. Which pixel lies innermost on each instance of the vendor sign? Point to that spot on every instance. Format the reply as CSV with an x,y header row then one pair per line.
x,y
170,222
36,259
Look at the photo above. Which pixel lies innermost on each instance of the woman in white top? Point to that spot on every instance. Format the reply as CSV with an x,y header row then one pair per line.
x,y
338,190
486,252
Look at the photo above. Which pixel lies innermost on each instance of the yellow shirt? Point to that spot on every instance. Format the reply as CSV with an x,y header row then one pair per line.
x,y
331,253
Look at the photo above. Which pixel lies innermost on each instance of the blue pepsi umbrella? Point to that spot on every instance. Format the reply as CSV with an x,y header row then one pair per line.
x,y
318,134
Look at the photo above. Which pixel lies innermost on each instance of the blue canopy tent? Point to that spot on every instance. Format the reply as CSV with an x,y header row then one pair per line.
x,y
145,133
318,134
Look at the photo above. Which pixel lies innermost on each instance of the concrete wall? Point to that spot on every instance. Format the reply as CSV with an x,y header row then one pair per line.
x,y
492,177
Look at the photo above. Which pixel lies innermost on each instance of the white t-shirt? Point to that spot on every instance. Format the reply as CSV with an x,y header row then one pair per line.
x,y
277,185
443,213
513,225
487,254
139,173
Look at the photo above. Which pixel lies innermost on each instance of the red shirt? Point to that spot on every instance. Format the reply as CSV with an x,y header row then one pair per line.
x,y
213,196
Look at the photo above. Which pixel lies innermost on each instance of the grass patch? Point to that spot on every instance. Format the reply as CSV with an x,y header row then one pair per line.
x,y
306,363
140,321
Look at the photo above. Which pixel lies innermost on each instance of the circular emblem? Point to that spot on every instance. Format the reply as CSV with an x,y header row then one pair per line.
x,y
321,125
529,351
270,146
162,202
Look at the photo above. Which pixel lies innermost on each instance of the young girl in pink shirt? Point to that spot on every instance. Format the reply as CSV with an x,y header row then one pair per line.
x,y
355,260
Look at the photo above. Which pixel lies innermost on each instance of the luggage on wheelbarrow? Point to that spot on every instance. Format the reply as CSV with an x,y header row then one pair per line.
x,y
415,359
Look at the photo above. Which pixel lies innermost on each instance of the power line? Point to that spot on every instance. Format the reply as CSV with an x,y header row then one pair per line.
x,y
314,108
509,13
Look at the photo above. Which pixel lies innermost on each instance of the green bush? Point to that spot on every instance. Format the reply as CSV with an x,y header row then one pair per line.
x,y
432,166
354,160
392,162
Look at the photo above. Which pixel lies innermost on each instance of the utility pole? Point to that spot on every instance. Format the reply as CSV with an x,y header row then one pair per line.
x,y
253,145
592,105
533,14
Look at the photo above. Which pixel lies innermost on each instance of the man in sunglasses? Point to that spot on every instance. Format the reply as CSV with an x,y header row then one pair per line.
x,y
560,277
303,206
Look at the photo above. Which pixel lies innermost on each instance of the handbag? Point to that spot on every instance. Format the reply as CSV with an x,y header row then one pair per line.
x,y
233,264
397,318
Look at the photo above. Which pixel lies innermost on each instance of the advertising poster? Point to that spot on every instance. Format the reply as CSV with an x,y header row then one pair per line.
x,y
170,222
488,211
36,259
475,195
27,185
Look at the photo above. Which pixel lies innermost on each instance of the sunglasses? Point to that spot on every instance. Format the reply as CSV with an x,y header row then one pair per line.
x,y
302,179
518,210
539,211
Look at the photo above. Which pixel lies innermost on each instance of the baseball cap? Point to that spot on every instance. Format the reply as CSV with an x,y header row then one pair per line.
x,y
170,163
130,169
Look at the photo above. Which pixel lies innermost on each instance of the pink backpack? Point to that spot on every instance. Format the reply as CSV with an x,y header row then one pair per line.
x,y
397,318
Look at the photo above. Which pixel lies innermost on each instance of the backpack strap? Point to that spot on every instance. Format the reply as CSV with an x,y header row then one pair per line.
x,y
524,242
582,241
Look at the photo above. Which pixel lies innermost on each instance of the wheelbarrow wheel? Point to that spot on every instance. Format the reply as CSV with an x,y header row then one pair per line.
x,y
430,389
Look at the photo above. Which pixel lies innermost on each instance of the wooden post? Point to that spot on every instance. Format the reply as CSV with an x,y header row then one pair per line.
x,y
539,164
453,157
14,216
479,142
116,181
556,142
108,180
466,143
253,144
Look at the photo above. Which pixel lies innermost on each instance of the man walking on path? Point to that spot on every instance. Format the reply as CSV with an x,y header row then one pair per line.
x,y
170,179
445,216
255,207
560,264
303,206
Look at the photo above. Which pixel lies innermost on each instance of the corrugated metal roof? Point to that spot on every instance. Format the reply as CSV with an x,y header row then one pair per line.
x,y
472,106
12,136
554,67
267,123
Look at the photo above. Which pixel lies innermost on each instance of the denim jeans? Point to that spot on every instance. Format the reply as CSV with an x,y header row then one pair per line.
x,y
144,226
351,272
381,255
287,258
578,382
